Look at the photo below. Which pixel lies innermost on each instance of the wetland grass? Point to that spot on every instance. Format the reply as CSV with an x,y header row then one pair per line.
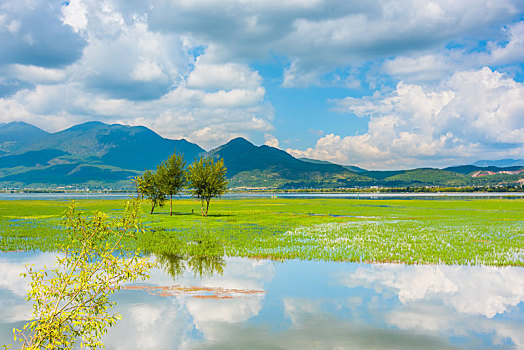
x,y
467,232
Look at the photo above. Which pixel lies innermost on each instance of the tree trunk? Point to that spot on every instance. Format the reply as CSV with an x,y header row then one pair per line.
x,y
202,207
207,205
171,206
152,207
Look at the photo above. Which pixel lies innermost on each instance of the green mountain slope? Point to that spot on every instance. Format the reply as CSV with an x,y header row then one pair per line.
x,y
381,175
353,168
128,147
69,174
500,163
469,169
92,152
30,158
241,155
98,154
16,135
264,166
427,177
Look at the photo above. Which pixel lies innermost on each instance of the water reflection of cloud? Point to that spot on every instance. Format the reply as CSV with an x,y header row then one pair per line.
x,y
244,274
183,321
314,328
440,319
209,314
471,290
149,321
295,309
387,306
10,271
155,323
13,287
454,301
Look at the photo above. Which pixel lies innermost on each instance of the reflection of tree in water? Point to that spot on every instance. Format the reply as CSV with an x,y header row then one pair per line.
x,y
172,263
201,265
202,256
206,265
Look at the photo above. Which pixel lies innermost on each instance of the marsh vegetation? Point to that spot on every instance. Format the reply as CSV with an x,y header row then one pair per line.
x,y
476,231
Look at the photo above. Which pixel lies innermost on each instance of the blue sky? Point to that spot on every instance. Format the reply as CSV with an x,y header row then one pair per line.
x,y
378,84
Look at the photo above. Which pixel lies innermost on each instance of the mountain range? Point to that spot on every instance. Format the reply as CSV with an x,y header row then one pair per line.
x,y
92,153
99,155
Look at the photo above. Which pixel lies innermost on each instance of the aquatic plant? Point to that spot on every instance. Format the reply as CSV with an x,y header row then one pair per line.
x,y
478,231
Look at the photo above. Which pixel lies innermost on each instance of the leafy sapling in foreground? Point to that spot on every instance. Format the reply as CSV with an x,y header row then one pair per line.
x,y
207,180
71,301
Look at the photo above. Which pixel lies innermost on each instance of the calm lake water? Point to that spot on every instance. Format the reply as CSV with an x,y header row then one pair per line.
x,y
239,303
451,195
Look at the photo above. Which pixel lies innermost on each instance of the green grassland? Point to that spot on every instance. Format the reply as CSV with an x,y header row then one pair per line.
x,y
476,231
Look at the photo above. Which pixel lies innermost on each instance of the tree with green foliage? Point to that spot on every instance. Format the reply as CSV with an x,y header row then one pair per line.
x,y
71,301
139,185
152,190
171,177
207,179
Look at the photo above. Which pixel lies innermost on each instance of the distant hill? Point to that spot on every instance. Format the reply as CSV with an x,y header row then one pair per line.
x,y
426,177
499,163
382,174
348,167
92,152
128,147
249,165
241,155
104,155
30,158
16,135
470,169
70,174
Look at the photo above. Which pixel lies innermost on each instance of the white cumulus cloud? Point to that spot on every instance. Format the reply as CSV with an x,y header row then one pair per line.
x,y
271,141
128,73
471,115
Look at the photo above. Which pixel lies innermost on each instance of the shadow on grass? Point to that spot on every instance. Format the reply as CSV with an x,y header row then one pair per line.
x,y
174,214
217,215
194,214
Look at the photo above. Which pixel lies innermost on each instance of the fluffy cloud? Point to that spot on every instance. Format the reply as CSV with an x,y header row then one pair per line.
x,y
271,141
439,65
32,33
33,38
318,36
223,76
469,290
129,74
157,322
208,118
453,300
183,67
470,115
513,51
124,59
430,67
